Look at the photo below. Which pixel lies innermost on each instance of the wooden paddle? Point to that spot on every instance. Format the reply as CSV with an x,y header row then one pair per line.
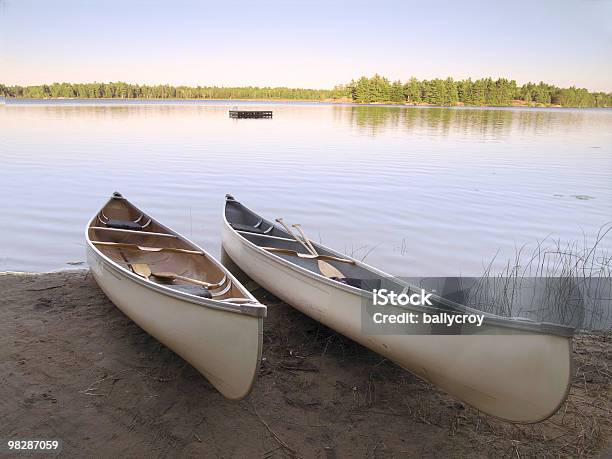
x,y
280,220
308,255
144,270
326,269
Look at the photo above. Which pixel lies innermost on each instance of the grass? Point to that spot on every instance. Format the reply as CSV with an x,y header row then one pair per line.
x,y
567,284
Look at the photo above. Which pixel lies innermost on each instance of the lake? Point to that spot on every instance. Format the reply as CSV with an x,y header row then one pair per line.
x,y
417,191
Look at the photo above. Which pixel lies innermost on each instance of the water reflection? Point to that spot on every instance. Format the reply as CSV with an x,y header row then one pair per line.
x,y
469,122
488,123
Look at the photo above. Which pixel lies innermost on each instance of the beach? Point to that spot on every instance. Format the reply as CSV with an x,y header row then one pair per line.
x,y
74,368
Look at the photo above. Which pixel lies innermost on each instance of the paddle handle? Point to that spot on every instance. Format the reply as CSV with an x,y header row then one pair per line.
x,y
326,269
280,220
298,227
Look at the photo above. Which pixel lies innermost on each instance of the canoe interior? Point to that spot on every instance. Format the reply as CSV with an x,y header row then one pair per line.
x,y
268,234
195,266
238,216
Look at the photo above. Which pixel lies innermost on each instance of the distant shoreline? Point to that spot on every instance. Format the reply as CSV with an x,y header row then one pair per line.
x,y
340,101
484,92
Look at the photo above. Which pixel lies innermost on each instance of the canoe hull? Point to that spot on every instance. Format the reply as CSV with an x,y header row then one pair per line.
x,y
224,346
522,377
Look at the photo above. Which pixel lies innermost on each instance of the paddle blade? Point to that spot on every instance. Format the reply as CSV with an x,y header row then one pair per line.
x,y
142,269
328,270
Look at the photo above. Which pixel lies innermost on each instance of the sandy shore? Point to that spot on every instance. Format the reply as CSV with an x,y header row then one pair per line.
x,y
74,368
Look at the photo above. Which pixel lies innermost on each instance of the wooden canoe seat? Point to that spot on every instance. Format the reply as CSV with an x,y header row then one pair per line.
x,y
123,245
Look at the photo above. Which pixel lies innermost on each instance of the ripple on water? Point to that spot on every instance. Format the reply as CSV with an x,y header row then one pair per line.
x,y
434,191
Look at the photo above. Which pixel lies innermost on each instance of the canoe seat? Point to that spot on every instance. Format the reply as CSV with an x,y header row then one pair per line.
x,y
249,228
191,289
123,224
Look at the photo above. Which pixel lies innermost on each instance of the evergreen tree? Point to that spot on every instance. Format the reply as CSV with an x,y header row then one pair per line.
x,y
397,92
451,92
412,91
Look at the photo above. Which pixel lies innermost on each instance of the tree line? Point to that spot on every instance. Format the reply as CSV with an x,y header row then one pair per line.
x,y
485,91
376,89
121,90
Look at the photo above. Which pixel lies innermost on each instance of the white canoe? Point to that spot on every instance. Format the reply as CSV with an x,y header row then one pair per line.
x,y
514,370
218,331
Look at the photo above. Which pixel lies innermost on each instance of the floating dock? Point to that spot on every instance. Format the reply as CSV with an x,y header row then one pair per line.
x,y
235,113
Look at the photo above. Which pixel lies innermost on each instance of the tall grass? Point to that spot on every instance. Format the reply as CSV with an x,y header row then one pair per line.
x,y
569,284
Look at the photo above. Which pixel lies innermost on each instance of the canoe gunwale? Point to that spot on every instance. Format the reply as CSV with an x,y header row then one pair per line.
x,y
489,319
254,310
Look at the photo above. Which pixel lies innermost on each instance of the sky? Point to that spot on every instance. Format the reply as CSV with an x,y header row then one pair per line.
x,y
314,44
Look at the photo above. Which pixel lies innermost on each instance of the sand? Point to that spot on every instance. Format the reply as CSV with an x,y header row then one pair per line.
x,y
74,368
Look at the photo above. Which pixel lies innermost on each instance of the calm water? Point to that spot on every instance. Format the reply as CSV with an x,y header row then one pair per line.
x,y
426,191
